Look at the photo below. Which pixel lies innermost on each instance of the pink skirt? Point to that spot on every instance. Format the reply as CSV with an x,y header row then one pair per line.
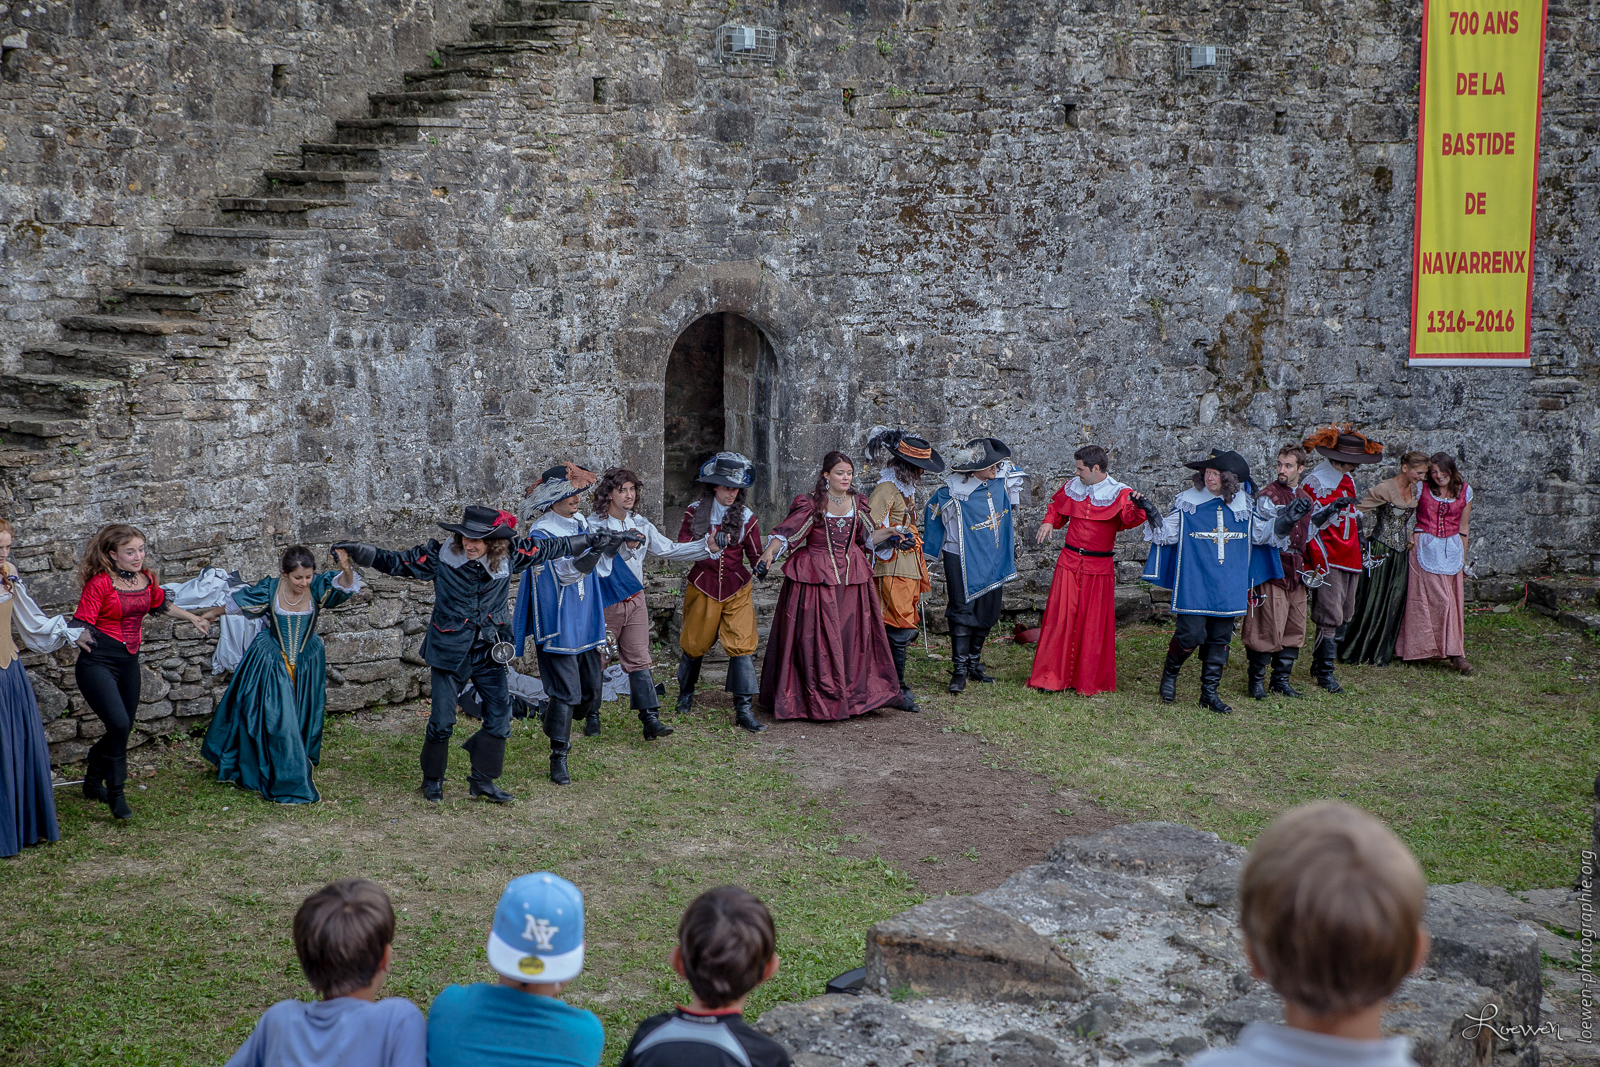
x,y
1435,617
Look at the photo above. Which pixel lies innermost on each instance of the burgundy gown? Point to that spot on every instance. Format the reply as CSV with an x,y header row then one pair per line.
x,y
828,655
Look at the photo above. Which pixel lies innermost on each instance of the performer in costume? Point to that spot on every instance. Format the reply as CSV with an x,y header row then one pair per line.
x,y
1391,507
1211,576
717,604
471,576
1275,627
1435,619
968,523
900,569
1077,640
119,591
1334,555
27,796
622,589
563,608
266,734
828,655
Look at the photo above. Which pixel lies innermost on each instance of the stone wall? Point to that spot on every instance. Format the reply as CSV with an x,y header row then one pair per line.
x,y
245,307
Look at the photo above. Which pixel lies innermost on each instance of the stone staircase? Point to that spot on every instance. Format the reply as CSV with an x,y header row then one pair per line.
x,y
153,340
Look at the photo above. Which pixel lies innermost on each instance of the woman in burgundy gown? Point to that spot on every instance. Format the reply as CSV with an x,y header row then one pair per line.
x,y
828,654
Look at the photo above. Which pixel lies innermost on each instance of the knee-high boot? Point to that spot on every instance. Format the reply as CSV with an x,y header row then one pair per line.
x,y
94,777
558,728
1177,656
1213,658
435,757
975,669
900,639
1282,667
688,678
960,654
743,685
1323,654
116,784
1259,661
488,763
647,702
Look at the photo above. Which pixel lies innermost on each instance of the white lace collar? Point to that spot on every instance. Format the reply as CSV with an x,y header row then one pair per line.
x,y
963,485
1325,477
1191,499
456,559
888,475
1100,494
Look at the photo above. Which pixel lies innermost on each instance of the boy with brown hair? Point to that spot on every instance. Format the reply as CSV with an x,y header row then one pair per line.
x,y
344,936
727,946
1331,904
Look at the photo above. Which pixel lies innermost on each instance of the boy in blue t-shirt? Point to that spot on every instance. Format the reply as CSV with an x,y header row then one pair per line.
x,y
536,946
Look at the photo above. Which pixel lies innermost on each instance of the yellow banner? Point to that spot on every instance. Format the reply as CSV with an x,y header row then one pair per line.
x,y
1477,173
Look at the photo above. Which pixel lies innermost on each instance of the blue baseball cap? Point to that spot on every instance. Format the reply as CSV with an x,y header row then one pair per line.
x,y
538,930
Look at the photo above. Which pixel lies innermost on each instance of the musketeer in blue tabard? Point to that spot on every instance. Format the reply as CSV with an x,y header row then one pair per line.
x,y
968,524
563,608
1210,551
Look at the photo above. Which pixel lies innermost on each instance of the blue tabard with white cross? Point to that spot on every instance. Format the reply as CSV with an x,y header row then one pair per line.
x,y
988,545
563,619
1213,566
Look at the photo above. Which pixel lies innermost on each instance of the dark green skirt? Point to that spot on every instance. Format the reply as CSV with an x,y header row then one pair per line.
x,y
1380,608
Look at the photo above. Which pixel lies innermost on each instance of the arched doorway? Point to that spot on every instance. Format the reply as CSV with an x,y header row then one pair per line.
x,y
720,394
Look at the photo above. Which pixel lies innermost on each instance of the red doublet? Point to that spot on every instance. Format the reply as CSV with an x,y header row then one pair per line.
x,y
728,571
1077,641
1339,545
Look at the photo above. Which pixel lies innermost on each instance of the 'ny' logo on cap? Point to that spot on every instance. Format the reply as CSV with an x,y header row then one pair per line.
x,y
539,931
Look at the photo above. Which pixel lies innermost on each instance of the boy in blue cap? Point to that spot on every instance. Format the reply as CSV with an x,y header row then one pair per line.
x,y
536,946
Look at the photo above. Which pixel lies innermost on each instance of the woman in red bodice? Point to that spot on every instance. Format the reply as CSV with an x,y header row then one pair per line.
x,y
828,654
119,591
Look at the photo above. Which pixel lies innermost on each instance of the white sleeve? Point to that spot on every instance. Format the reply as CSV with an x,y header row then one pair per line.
x,y
1262,520
1167,532
567,572
338,583
658,545
40,632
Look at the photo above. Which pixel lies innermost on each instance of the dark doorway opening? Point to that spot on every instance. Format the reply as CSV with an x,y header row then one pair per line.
x,y
720,395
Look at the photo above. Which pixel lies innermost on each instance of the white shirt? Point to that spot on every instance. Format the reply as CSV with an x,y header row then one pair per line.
x,y
655,543
1271,1045
40,632
566,569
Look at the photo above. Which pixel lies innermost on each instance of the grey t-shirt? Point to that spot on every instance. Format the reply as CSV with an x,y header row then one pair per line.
x,y
1271,1045
342,1032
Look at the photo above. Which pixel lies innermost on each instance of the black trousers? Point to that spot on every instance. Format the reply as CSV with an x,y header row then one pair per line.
x,y
488,678
982,612
1192,630
573,680
108,678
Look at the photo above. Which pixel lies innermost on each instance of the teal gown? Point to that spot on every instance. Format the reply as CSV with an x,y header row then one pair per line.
x,y
266,734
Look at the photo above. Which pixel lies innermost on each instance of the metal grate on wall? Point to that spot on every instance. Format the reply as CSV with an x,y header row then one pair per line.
x,y
737,43
1204,60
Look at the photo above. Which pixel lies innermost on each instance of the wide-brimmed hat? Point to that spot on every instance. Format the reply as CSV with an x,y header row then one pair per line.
x,y
1222,459
729,469
978,454
484,524
904,447
1344,444
555,485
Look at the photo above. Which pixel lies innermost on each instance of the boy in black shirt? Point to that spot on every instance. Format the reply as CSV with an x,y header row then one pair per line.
x,y
726,947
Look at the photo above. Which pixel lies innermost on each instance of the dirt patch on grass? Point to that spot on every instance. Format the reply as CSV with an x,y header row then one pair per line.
x,y
925,797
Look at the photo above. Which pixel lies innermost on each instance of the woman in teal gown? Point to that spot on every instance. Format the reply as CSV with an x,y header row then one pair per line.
x,y
266,734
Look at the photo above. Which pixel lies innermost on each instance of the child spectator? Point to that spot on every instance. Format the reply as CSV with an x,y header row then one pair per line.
x,y
344,936
726,947
1331,907
536,946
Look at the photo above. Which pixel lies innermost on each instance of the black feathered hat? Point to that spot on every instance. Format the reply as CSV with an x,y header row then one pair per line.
x,y
727,469
978,454
902,446
484,524
1222,460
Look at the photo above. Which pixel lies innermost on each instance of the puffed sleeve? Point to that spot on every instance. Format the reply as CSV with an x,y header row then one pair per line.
x,y
40,632
1263,518
656,543
253,601
329,591
92,599
158,596
1167,532
798,519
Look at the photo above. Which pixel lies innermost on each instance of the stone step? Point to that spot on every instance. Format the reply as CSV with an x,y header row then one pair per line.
x,y
148,334
37,431
192,265
457,77
67,357
529,30
248,233
497,47
423,102
153,297
55,394
397,130
162,326
321,177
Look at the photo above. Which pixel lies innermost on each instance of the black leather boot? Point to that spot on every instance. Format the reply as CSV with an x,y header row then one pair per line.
x,y
1212,659
1323,654
116,784
688,678
1259,661
1282,666
488,763
647,703
900,639
94,777
1177,656
591,720
975,669
435,757
558,728
744,718
960,652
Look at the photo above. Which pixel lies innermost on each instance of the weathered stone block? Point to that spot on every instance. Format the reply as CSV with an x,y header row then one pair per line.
x,y
1488,949
968,950
366,646
1217,886
152,710
1147,848
152,686
52,701
351,697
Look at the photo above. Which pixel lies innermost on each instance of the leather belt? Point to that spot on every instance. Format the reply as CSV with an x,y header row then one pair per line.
x,y
1086,552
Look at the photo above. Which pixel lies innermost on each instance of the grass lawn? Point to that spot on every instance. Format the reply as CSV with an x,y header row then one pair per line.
x,y
1488,777
162,940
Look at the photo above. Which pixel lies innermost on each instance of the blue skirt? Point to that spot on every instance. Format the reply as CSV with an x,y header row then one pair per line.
x,y
266,734
27,798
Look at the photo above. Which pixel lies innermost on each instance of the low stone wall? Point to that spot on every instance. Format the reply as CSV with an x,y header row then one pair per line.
x,y
1125,946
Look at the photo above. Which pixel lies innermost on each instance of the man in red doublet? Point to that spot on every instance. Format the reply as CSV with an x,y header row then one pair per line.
x,y
1077,641
1333,553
